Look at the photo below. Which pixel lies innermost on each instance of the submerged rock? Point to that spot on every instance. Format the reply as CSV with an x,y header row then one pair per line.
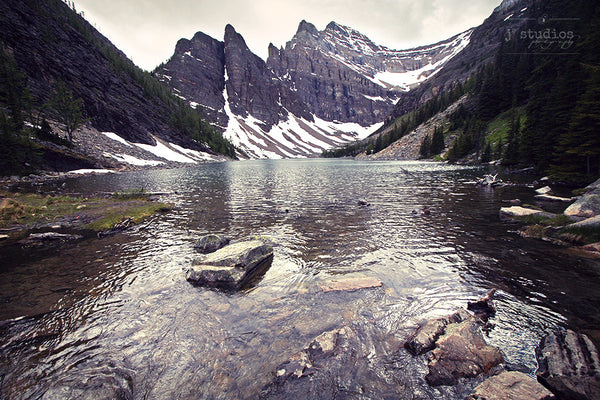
x,y
569,365
425,337
351,284
232,266
211,243
511,385
303,363
461,353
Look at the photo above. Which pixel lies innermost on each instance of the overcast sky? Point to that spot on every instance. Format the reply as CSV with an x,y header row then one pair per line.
x,y
147,30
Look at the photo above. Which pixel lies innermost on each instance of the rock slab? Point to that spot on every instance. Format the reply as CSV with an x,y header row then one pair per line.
x,y
569,365
461,353
517,211
511,385
232,266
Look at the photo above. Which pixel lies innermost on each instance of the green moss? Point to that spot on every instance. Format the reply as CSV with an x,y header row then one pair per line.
x,y
546,220
26,210
131,194
137,212
587,234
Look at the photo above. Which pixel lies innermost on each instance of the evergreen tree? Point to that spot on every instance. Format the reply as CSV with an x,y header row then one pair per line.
x,y
67,109
580,144
425,147
437,141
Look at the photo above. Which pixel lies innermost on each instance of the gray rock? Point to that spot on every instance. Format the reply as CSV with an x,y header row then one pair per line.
x,y
50,236
425,337
517,211
554,199
569,365
211,243
543,190
593,222
587,206
303,363
461,353
511,385
233,266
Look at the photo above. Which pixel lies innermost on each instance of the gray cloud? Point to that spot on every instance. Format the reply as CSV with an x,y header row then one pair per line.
x,y
147,30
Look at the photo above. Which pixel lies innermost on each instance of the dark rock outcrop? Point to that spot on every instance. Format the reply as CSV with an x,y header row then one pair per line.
x,y
461,353
233,266
483,308
511,385
211,243
204,70
569,365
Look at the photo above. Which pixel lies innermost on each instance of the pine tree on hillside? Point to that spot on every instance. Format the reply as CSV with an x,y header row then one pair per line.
x,y
580,145
424,151
67,109
437,141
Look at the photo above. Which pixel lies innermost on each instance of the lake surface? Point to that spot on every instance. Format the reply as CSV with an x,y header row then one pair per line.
x,y
115,318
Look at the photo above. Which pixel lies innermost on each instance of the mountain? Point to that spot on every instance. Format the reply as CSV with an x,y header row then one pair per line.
x,y
485,40
324,89
52,46
525,93
343,76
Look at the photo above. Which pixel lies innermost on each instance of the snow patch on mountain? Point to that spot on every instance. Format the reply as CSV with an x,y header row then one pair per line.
x,y
146,155
294,137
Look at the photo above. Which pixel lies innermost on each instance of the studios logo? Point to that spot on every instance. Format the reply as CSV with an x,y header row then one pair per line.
x,y
546,39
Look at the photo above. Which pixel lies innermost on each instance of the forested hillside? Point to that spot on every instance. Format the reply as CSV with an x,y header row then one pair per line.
x,y
48,50
544,88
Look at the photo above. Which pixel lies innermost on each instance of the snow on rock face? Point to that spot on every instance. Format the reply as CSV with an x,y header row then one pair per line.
x,y
324,89
142,155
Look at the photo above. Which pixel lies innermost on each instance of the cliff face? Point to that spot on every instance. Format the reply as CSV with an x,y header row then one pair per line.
x,y
324,89
342,75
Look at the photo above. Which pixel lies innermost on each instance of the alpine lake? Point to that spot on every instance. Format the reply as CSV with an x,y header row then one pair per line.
x,y
116,318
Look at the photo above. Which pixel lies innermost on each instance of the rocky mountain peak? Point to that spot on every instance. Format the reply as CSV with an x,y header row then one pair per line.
x,y
307,27
334,26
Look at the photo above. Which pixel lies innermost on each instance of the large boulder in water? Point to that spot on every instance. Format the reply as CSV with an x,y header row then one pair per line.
x,y
461,353
587,205
232,266
569,365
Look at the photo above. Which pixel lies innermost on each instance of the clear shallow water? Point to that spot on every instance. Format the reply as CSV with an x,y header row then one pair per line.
x,y
116,317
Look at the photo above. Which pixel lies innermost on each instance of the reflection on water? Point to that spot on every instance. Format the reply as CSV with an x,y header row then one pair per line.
x,y
115,317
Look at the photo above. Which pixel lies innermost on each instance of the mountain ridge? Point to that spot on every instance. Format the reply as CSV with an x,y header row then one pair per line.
x,y
293,104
